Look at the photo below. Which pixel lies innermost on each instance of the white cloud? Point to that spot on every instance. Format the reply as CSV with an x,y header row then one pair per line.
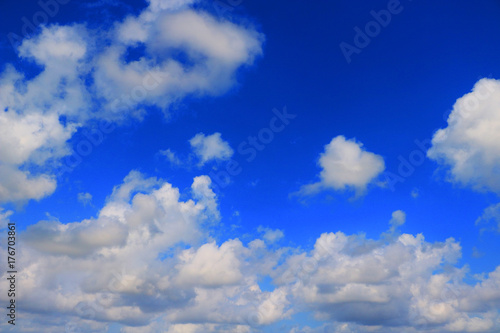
x,y
271,235
491,215
346,165
77,238
201,34
161,5
215,49
57,48
398,219
210,265
210,147
85,198
389,285
468,146
31,133
171,157
27,138
130,265
80,82
16,185
201,190
31,138
4,217
148,262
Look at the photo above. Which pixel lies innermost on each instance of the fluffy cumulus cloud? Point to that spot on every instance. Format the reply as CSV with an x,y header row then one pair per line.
x,y
346,164
214,50
468,147
146,260
401,284
84,76
18,185
30,131
398,219
210,147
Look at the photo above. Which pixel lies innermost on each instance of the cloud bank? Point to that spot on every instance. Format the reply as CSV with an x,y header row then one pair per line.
x,y
148,261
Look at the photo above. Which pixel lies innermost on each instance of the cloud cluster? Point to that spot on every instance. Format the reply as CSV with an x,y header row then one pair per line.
x,y
405,284
146,257
346,164
85,75
148,262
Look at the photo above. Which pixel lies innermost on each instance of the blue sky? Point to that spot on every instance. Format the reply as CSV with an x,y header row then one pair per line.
x,y
122,120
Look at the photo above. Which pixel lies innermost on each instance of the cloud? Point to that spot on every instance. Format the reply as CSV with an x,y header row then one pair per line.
x,y
4,218
171,157
271,235
16,185
84,77
214,50
468,147
202,191
210,147
146,258
27,139
398,219
210,265
162,5
85,198
346,165
394,285
491,215
149,263
77,238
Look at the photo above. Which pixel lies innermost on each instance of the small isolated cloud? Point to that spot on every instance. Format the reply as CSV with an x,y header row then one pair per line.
x,y
398,219
271,235
85,198
415,193
346,165
211,147
171,157
468,147
476,253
